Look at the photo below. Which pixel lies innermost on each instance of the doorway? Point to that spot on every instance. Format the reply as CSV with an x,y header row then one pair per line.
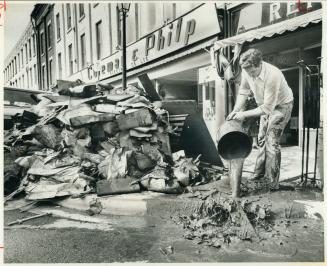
x,y
291,132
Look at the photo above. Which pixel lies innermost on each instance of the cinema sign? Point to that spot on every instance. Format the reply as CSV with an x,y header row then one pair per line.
x,y
186,30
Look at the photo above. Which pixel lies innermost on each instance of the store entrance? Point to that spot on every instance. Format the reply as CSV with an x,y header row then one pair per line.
x,y
291,132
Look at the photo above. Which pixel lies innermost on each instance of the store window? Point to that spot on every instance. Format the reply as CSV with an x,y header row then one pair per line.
x,y
58,26
83,51
69,16
70,59
98,39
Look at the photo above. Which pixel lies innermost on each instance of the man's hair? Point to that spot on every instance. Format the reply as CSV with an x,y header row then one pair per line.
x,y
252,57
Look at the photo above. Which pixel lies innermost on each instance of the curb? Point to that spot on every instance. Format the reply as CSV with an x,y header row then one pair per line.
x,y
284,205
134,204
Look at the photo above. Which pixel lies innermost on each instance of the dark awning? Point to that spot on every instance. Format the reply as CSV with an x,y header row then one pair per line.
x,y
268,31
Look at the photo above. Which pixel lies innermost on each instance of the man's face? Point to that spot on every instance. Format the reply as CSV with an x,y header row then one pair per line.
x,y
253,71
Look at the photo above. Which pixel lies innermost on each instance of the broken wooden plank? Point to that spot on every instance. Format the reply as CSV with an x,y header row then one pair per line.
x,y
20,221
73,101
114,98
152,94
91,118
137,134
117,186
65,84
108,108
139,118
82,91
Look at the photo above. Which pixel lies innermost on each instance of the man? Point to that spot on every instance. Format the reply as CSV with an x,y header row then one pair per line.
x,y
275,102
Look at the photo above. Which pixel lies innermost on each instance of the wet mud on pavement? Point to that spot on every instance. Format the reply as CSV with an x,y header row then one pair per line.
x,y
142,239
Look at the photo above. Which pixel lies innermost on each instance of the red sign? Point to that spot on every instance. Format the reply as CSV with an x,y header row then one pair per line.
x,y
3,7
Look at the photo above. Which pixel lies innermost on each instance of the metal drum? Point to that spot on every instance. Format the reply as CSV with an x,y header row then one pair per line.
x,y
233,140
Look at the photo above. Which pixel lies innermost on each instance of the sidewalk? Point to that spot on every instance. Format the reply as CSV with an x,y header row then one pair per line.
x,y
291,163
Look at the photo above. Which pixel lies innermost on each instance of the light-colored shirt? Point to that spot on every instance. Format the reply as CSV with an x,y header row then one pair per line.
x,y
269,89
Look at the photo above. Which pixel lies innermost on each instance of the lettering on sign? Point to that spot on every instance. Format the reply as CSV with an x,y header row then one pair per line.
x,y
265,14
176,35
293,7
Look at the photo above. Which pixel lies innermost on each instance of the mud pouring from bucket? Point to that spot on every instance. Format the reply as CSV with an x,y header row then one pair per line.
x,y
234,145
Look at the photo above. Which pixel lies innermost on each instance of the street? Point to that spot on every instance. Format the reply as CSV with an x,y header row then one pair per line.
x,y
66,237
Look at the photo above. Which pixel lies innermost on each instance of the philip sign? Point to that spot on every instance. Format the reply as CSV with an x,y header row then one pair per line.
x,y
184,31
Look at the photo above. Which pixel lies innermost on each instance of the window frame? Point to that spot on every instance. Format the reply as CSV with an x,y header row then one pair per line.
x,y
69,17
98,39
59,56
58,28
30,49
81,16
49,37
50,71
70,59
83,50
42,39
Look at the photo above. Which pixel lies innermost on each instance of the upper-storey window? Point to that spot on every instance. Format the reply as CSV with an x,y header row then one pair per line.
x,y
69,16
58,26
81,11
98,38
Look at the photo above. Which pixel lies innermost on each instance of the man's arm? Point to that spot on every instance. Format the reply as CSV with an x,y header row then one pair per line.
x,y
243,94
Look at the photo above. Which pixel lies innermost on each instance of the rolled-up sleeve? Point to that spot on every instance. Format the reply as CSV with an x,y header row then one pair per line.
x,y
244,87
271,92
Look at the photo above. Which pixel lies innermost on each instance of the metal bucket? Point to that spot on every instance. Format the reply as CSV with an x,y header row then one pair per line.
x,y
233,140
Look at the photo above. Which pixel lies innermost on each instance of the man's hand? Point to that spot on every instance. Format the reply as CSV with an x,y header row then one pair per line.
x,y
239,116
231,115
236,116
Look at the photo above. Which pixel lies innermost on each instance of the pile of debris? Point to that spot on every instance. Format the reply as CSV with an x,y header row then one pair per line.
x,y
93,138
219,222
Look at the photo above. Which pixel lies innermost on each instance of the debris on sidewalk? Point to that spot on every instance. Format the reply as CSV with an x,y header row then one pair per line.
x,y
218,222
20,221
167,250
89,138
95,207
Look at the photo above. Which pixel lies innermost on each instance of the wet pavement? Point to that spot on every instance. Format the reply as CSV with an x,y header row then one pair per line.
x,y
291,163
73,237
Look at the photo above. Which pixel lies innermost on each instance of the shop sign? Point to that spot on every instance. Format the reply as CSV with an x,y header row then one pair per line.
x,y
263,14
179,34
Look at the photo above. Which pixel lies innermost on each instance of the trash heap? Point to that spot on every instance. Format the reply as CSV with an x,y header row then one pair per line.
x,y
217,223
88,138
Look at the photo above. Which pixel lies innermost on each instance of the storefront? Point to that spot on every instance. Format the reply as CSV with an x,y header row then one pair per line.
x,y
285,33
171,56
